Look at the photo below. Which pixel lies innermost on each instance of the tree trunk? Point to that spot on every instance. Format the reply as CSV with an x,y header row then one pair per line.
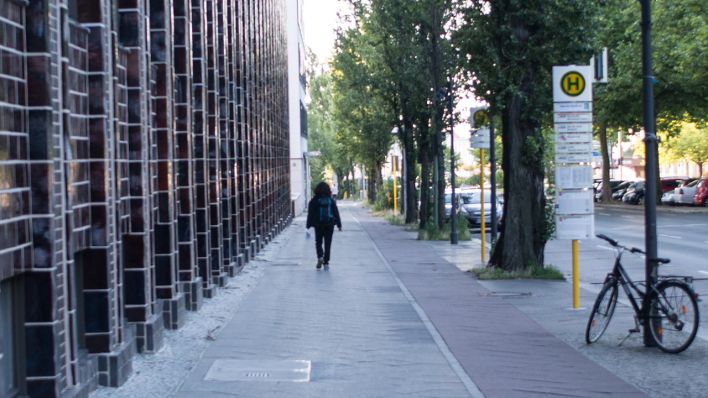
x,y
411,193
440,158
424,160
522,241
606,189
371,186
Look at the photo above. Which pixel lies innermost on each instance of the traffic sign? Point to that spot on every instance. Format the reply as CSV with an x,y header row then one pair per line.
x,y
480,139
573,147
574,137
565,158
574,202
574,177
572,83
577,106
575,226
572,117
584,127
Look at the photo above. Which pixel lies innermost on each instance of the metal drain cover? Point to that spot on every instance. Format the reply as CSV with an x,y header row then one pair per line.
x,y
297,371
284,264
510,294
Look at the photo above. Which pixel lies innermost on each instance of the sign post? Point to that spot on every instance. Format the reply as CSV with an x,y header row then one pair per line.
x,y
572,121
481,138
394,160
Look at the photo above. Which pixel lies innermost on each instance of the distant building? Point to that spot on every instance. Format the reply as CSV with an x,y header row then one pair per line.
x,y
300,186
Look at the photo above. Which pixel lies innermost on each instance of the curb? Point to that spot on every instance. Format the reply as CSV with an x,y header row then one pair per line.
x,y
659,209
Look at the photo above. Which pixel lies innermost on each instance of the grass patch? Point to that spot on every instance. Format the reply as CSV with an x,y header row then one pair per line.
x,y
432,232
549,272
395,219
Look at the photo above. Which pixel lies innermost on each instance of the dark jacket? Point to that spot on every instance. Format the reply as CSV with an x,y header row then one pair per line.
x,y
313,213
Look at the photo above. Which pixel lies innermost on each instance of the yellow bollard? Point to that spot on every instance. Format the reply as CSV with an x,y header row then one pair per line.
x,y
395,197
576,277
482,224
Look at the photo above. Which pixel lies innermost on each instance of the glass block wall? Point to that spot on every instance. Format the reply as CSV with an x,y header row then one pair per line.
x,y
143,162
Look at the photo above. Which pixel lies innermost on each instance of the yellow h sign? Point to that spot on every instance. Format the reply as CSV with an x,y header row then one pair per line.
x,y
573,83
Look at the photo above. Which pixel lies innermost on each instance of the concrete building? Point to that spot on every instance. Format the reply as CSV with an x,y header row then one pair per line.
x,y
144,150
297,86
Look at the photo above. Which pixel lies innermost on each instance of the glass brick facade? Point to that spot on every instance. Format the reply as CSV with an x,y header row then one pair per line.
x,y
143,162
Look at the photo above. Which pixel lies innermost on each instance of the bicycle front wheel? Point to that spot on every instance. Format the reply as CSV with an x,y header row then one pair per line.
x,y
673,316
602,311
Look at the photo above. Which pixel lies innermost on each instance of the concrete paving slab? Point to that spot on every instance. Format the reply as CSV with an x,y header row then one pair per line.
x,y
353,322
504,351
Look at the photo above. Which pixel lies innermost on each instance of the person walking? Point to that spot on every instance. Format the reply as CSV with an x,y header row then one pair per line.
x,y
323,215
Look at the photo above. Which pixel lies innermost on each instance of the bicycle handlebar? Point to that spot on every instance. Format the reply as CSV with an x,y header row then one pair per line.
x,y
616,244
608,239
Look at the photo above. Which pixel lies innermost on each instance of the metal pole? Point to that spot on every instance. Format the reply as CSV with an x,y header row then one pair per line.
x,y
404,185
650,142
482,225
394,160
576,277
453,215
493,179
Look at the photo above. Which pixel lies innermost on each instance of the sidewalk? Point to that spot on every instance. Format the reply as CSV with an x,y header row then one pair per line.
x,y
397,317
391,319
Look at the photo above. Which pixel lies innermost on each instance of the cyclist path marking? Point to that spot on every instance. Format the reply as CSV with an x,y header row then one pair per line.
x,y
504,351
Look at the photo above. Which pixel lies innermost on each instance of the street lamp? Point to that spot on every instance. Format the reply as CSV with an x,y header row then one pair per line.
x,y
651,143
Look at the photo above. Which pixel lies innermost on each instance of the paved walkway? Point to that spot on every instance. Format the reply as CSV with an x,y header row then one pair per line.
x,y
392,318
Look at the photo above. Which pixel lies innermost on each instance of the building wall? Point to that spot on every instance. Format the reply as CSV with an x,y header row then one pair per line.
x,y
299,173
144,159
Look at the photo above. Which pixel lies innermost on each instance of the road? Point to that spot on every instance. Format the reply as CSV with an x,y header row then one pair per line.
x,y
683,238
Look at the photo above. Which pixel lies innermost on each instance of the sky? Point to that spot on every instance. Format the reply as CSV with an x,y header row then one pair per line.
x,y
320,20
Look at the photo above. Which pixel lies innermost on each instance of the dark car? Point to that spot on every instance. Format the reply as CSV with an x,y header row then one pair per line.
x,y
471,208
613,188
634,194
620,190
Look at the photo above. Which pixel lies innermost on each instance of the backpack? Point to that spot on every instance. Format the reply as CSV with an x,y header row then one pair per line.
x,y
325,212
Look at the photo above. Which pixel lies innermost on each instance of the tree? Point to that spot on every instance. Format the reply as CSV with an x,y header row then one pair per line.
x,y
406,55
692,144
680,66
508,48
361,112
323,130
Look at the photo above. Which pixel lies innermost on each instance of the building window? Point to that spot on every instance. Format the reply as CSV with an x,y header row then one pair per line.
x,y
8,378
303,120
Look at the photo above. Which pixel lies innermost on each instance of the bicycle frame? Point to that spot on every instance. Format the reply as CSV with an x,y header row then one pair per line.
x,y
621,275
628,285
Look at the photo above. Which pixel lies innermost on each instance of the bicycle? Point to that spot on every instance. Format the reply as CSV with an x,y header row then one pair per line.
x,y
673,307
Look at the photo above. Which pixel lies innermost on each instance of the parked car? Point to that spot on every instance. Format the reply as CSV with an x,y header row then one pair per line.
x,y
613,187
471,207
671,183
620,190
669,194
701,197
683,195
668,198
635,193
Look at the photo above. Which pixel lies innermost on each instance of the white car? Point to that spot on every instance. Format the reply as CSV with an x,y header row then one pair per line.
x,y
471,207
683,195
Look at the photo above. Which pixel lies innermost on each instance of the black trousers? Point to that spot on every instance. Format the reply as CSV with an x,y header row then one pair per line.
x,y
323,233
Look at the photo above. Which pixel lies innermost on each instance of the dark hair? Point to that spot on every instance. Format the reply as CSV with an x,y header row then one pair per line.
x,y
322,189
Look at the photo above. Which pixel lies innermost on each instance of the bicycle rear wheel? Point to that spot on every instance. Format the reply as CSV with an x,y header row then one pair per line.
x,y
674,316
602,311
